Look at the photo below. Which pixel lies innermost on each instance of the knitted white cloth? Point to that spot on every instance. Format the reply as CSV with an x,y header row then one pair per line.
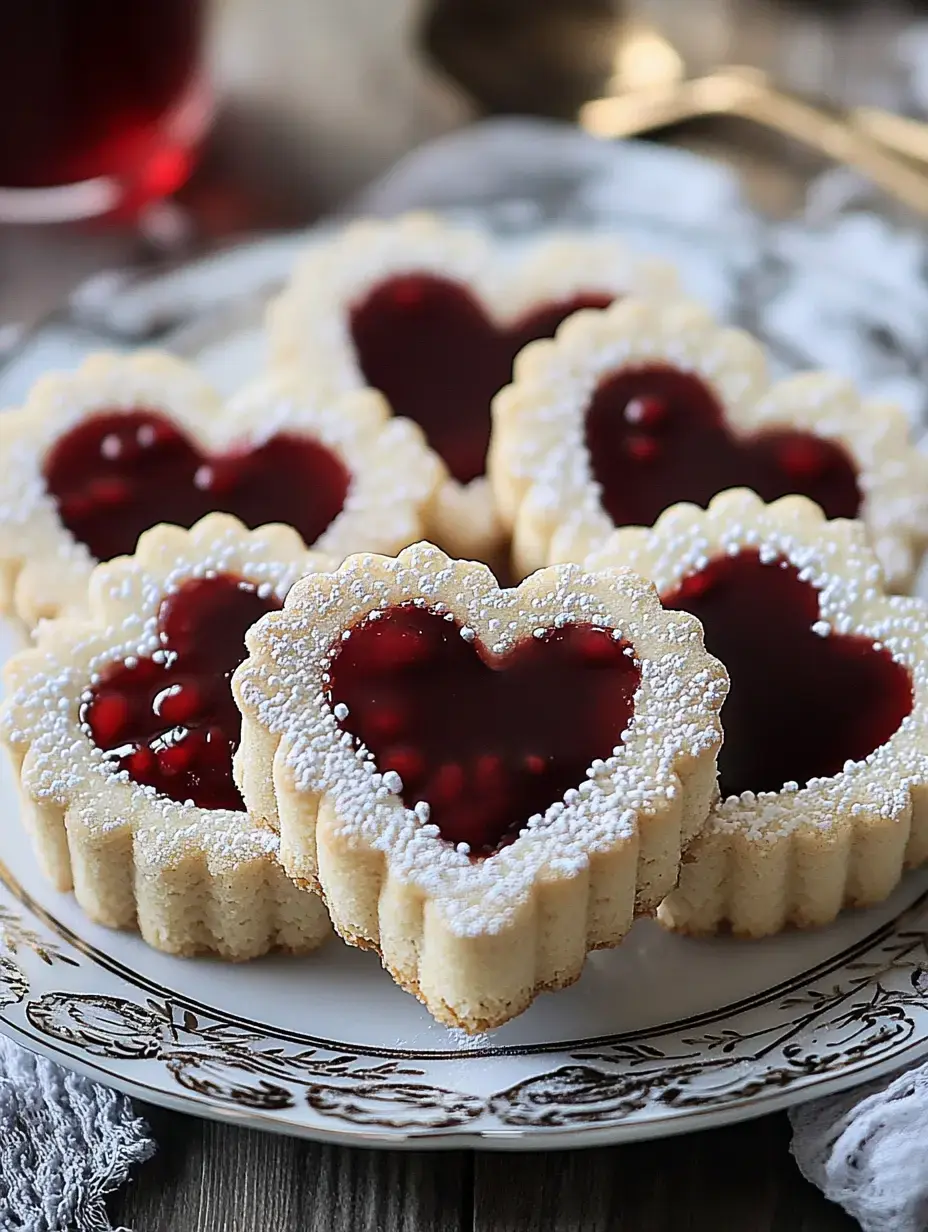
x,y
65,1144
868,1151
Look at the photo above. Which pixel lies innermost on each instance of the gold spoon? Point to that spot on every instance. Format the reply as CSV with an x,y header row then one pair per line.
x,y
649,90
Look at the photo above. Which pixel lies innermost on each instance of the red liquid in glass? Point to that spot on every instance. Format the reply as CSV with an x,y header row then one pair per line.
x,y
97,88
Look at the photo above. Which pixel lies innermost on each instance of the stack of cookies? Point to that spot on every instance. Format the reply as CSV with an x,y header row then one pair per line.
x,y
275,686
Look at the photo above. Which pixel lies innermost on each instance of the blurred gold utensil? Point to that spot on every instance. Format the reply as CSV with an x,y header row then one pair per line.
x,y
649,91
901,133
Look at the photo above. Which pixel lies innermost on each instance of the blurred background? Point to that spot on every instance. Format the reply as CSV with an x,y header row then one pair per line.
x,y
168,126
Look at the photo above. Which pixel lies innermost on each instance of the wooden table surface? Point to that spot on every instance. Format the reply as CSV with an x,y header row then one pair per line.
x,y
209,1177
213,1178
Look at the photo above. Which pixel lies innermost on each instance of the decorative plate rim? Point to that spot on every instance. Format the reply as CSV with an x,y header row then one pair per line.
x,y
522,1140
819,970
209,1060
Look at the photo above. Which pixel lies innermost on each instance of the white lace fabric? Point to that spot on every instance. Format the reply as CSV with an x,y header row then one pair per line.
x,y
868,1151
65,1144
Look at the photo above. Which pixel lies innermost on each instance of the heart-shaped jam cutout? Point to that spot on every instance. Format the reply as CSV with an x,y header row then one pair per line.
x,y
803,701
487,742
430,347
172,723
657,436
119,473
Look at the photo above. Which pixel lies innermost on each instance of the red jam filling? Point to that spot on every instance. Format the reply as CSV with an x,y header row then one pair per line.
x,y
174,725
487,742
429,346
118,473
800,704
656,436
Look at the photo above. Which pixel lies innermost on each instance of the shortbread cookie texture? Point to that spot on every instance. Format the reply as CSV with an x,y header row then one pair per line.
x,y
629,411
484,784
432,314
97,456
122,727
824,767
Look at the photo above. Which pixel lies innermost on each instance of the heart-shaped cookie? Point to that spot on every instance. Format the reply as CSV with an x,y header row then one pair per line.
x,y
824,768
433,314
97,456
634,409
430,346
122,727
483,783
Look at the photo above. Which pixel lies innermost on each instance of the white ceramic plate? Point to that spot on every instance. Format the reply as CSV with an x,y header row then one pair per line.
x,y
660,1036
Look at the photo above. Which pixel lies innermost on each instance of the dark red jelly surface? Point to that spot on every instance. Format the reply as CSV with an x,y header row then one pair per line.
x,y
487,743
174,725
439,359
657,436
800,705
119,473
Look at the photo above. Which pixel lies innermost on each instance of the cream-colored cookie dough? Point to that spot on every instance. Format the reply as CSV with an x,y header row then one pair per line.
x,y
192,880
798,855
44,570
310,332
476,939
540,466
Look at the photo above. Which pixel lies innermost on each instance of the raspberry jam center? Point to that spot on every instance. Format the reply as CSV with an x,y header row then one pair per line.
x,y
430,347
118,473
801,704
173,724
486,741
656,436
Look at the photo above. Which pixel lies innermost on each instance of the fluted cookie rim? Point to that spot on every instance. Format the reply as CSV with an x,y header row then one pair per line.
x,y
133,857
44,570
463,934
540,466
799,856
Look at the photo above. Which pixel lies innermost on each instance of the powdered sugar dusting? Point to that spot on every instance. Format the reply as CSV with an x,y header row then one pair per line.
x,y
393,474
540,465
836,559
675,720
41,719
